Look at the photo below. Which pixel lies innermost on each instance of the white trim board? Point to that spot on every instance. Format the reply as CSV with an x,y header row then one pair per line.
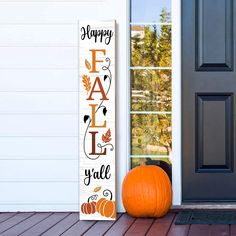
x,y
127,94
176,103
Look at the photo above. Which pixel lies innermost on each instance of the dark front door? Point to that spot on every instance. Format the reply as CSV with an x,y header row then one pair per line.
x,y
208,100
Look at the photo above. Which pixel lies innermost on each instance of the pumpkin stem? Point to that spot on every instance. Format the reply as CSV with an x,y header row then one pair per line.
x,y
106,193
93,197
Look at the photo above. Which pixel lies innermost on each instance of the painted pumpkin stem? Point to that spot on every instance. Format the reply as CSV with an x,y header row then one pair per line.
x,y
93,197
106,193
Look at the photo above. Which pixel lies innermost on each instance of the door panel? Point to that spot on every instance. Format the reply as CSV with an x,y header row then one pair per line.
x,y
214,32
214,152
208,100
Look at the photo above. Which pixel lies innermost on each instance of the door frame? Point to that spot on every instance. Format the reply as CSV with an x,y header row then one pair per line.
x,y
176,104
176,111
177,117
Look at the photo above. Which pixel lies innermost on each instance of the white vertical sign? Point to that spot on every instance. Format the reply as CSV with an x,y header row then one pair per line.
x,y
97,120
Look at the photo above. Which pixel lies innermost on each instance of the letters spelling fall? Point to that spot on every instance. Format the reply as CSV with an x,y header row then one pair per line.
x,y
104,172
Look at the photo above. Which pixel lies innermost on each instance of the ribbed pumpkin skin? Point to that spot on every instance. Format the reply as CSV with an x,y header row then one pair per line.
x,y
147,192
106,207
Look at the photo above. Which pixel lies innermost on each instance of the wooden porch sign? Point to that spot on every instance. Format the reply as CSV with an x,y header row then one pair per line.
x,y
97,120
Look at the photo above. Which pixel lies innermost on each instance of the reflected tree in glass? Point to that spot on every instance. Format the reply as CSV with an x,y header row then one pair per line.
x,y
151,134
151,89
151,45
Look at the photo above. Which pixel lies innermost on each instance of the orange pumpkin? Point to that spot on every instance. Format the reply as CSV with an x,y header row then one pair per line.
x,y
88,207
146,192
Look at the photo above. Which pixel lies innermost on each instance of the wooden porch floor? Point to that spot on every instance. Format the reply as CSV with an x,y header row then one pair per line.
x,y
68,224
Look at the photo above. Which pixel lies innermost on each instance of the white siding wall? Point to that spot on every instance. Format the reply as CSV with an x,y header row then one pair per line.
x,y
39,101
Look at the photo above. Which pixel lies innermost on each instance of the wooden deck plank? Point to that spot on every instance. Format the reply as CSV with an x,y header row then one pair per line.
x,y
219,230
63,225
6,216
121,226
178,230
79,228
196,230
46,224
100,227
232,230
68,224
140,227
161,226
26,224
16,219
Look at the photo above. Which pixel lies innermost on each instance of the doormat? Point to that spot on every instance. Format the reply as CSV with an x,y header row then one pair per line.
x,y
206,217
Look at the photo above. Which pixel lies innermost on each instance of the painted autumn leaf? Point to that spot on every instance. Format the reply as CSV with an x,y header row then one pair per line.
x,y
87,64
86,82
97,189
104,111
86,117
107,136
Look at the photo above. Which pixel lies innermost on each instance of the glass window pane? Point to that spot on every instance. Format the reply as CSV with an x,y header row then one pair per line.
x,y
151,90
151,134
151,45
150,10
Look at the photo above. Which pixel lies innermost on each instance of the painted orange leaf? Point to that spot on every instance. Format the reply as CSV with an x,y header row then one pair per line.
x,y
97,189
87,64
86,82
107,136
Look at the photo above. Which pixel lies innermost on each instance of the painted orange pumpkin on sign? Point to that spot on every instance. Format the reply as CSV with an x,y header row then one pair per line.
x,y
106,207
97,119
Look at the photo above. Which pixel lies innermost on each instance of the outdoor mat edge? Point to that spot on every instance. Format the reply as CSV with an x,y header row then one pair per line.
x,y
206,217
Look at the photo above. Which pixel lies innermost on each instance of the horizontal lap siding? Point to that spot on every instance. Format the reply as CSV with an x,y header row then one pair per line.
x,y
34,148
43,192
39,170
39,110
39,102
48,12
38,125
38,57
38,35
38,80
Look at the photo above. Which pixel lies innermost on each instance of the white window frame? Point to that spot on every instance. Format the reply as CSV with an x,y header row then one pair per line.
x,y
176,101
